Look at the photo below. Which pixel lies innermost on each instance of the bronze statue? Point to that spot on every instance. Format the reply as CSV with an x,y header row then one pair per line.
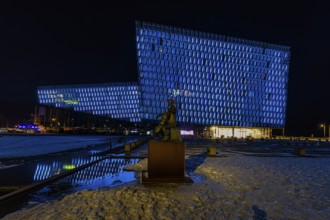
x,y
167,124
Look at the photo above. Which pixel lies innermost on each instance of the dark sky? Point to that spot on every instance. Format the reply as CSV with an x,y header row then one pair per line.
x,y
49,43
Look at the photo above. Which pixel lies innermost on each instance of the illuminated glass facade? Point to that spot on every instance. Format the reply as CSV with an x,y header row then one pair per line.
x,y
117,100
214,79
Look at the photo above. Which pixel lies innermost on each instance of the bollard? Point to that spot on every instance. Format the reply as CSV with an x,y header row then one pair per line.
x,y
212,151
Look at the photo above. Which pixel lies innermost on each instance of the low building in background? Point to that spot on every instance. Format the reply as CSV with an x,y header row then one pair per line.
x,y
53,119
114,100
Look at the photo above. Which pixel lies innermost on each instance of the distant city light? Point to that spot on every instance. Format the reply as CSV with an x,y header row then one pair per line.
x,y
186,132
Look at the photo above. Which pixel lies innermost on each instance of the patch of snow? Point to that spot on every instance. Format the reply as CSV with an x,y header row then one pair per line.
x,y
138,167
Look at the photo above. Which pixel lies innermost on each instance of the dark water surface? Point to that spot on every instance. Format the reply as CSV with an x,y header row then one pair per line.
x,y
107,172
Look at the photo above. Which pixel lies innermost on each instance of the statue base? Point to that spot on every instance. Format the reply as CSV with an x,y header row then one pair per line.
x,y
165,163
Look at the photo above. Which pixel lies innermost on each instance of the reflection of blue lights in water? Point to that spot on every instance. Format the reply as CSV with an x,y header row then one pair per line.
x,y
93,152
106,173
106,168
110,180
196,177
44,171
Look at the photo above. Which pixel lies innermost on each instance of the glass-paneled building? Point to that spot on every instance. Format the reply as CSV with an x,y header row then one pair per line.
x,y
214,80
116,100
234,86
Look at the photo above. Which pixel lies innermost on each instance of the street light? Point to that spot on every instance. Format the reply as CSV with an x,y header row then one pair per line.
x,y
323,130
323,125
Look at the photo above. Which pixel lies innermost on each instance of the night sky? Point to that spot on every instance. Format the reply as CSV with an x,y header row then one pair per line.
x,y
63,44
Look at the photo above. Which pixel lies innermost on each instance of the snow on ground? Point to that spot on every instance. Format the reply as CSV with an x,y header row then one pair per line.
x,y
25,146
236,187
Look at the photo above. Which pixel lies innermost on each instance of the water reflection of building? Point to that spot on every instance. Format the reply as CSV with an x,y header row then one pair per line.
x,y
236,86
105,168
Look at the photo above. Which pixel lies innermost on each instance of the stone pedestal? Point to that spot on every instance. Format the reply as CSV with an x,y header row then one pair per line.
x,y
166,163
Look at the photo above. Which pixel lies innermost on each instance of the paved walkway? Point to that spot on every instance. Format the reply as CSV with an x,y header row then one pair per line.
x,y
262,148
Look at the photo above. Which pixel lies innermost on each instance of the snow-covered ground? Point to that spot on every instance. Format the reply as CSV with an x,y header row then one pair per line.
x,y
236,187
25,146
